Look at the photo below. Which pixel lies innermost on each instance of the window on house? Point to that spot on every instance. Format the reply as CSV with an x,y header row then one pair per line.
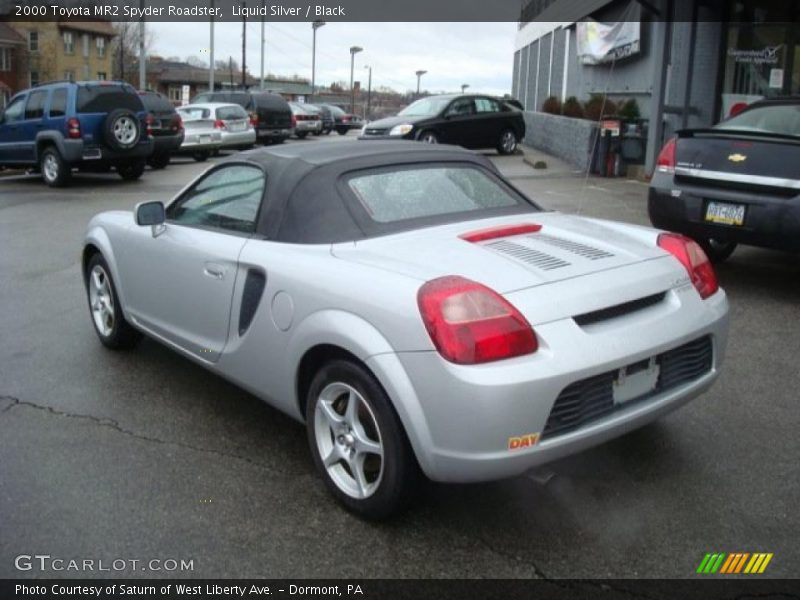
x,y
69,75
175,93
5,59
101,75
33,41
101,46
69,43
33,76
85,40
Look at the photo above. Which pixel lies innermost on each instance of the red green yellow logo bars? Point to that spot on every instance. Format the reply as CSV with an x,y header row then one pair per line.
x,y
734,563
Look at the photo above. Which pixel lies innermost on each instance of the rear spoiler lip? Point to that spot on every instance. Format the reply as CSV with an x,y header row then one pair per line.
x,y
728,133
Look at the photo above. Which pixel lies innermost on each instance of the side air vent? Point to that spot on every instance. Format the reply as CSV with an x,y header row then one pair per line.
x,y
583,250
538,259
251,297
619,310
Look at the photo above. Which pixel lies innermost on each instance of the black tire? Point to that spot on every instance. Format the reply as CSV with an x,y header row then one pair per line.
x,y
279,140
301,134
201,156
159,161
121,334
507,143
399,472
55,171
131,171
342,130
428,137
121,129
717,250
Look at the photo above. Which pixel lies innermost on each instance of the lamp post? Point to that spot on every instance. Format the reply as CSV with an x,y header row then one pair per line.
x,y
369,92
464,86
419,76
353,51
314,26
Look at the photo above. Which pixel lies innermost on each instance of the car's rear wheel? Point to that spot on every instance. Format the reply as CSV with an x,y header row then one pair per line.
x,y
342,130
131,171
55,171
428,137
301,134
109,323
358,442
507,143
717,250
159,161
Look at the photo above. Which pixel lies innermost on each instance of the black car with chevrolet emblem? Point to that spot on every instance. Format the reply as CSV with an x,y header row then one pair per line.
x,y
735,183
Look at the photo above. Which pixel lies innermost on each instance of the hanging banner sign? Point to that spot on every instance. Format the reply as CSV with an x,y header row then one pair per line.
x,y
606,42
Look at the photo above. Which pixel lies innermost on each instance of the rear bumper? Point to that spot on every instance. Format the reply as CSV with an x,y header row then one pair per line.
x,y
308,126
462,419
75,151
167,143
272,133
239,139
770,221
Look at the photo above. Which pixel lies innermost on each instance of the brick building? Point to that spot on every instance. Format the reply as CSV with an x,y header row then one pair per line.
x,y
12,51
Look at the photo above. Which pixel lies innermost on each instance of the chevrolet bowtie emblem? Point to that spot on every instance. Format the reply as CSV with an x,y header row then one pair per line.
x,y
737,157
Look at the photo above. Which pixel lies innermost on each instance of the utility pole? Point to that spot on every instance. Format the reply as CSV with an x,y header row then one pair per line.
x,y
369,93
261,80
211,52
230,69
142,77
353,51
122,51
314,26
244,45
419,74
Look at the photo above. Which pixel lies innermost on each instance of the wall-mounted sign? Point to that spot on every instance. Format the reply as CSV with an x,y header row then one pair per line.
x,y
763,56
776,78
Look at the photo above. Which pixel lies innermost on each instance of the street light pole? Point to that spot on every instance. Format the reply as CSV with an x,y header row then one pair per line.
x,y
369,93
314,26
353,51
420,73
142,33
464,86
211,52
261,80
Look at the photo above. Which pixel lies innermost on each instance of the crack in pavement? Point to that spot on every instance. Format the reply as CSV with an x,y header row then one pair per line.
x,y
114,425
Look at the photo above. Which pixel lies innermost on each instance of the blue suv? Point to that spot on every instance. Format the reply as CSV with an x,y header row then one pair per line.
x,y
91,125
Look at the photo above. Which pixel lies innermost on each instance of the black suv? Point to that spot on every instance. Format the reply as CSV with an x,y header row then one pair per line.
x,y
269,113
93,125
166,126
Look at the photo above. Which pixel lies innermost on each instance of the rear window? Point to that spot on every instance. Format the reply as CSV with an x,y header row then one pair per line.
x,y
192,114
783,118
156,103
271,101
231,112
419,192
105,98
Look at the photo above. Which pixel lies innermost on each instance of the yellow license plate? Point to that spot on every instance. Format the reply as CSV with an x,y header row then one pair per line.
x,y
725,214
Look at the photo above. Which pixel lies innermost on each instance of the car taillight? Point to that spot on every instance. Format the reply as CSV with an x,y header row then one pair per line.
x,y
694,260
470,323
294,121
148,124
73,128
219,124
178,124
665,163
254,119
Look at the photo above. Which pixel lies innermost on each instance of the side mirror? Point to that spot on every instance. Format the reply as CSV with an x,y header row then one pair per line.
x,y
150,213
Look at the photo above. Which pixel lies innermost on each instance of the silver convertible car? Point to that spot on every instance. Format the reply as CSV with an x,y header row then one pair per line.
x,y
415,310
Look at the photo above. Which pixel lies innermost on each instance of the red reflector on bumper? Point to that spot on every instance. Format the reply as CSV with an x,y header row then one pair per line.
x,y
491,233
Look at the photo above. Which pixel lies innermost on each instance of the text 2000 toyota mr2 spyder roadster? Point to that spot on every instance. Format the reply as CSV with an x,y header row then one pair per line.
x,y
418,312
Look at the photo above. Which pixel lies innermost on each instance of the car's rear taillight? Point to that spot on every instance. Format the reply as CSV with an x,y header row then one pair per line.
x,y
73,128
148,124
694,260
665,163
254,119
294,121
219,124
178,124
470,323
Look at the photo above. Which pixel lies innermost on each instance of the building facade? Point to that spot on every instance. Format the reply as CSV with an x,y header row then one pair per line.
x,y
72,50
686,63
12,52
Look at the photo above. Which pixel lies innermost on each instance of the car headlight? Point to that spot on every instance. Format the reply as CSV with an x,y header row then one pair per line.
x,y
401,129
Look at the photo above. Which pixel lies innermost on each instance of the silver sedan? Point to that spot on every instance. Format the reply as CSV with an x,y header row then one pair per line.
x,y
418,313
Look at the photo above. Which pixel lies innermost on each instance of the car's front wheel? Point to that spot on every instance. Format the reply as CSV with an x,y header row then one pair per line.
x,y
131,171
358,442
109,322
717,250
55,171
507,143
201,156
159,161
428,137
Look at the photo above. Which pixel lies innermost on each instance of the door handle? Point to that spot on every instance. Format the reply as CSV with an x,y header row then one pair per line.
x,y
214,270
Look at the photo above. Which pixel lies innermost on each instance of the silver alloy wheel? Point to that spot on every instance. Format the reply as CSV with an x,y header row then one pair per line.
x,y
429,138
508,142
50,167
101,301
125,130
345,430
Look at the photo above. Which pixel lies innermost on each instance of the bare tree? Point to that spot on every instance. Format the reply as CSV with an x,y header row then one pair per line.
x,y
196,62
125,50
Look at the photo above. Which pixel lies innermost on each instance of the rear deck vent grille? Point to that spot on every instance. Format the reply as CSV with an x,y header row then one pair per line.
x,y
619,310
583,250
538,259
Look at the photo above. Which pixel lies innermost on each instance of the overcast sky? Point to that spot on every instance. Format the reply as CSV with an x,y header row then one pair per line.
x,y
479,54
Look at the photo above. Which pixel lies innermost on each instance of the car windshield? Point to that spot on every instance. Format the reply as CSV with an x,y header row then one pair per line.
x,y
776,118
231,112
411,193
427,107
107,97
156,102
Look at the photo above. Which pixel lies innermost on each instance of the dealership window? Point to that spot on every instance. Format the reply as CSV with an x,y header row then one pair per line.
x,y
33,41
101,46
33,78
5,59
69,43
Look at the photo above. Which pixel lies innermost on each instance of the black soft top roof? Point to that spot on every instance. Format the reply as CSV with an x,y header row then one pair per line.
x,y
305,199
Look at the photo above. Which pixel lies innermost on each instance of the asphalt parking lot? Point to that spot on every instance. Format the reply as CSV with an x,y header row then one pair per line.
x,y
144,455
